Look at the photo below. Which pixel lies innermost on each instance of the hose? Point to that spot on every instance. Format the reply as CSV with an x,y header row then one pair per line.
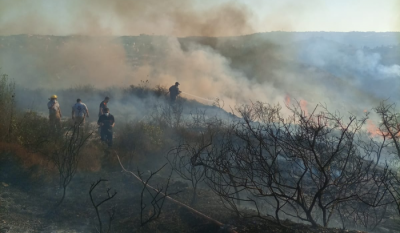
x,y
175,201
198,97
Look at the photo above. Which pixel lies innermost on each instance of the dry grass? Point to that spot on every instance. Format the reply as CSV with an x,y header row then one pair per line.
x,y
26,158
90,158
34,164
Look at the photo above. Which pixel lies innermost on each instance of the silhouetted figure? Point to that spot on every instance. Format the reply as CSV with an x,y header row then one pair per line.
x,y
174,92
106,122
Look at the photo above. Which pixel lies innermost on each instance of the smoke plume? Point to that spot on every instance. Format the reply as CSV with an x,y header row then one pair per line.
x,y
235,69
103,17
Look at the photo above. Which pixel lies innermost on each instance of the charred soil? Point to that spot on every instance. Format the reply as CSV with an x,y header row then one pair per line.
x,y
27,199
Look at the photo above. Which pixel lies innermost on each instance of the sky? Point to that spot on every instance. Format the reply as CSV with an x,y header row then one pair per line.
x,y
266,73
328,15
185,18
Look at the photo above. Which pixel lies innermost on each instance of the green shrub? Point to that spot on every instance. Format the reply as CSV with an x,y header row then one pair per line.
x,y
32,130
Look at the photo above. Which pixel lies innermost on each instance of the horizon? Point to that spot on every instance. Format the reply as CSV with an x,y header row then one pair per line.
x,y
253,33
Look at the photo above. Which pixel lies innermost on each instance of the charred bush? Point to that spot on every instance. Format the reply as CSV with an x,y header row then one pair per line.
x,y
180,160
155,196
66,158
305,167
96,206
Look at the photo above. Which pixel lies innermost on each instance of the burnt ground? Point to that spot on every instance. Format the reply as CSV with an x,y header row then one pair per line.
x,y
26,205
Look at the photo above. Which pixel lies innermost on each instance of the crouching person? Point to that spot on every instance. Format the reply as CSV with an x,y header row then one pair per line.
x,y
106,122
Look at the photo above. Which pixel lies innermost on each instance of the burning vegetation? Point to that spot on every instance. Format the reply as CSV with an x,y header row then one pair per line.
x,y
256,169
219,153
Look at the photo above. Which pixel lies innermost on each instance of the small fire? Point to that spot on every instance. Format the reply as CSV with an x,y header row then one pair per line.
x,y
303,106
287,100
372,129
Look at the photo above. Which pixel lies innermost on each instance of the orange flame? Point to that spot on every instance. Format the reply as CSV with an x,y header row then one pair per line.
x,y
372,129
287,100
303,106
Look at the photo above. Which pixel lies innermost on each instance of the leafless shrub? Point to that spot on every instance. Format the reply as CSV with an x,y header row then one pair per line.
x,y
180,159
219,103
167,115
111,212
304,166
389,130
392,183
161,91
390,124
157,197
66,158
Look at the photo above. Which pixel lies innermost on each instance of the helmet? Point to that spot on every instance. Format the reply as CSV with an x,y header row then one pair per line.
x,y
53,97
177,83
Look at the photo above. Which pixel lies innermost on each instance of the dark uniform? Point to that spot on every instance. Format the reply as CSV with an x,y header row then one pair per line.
x,y
174,92
106,123
103,105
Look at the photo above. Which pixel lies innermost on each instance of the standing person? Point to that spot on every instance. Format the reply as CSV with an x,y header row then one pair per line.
x,y
106,122
103,105
54,112
79,112
174,92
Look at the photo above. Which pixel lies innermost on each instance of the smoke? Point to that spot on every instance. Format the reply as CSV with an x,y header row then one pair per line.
x,y
67,63
103,17
237,70
357,72
323,55
104,63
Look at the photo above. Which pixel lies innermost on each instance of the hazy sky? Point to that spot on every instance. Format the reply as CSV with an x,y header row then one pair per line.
x,y
125,17
330,15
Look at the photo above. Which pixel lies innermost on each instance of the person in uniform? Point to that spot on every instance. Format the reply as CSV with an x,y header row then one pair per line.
x,y
54,113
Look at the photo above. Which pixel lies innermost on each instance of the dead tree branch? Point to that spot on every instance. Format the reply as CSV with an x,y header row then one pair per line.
x,y
111,212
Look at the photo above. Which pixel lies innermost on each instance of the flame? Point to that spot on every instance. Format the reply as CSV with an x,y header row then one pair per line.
x,y
372,129
303,106
287,100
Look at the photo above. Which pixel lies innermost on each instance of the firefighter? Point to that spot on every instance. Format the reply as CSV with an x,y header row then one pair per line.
x,y
79,112
106,123
103,105
54,112
174,92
